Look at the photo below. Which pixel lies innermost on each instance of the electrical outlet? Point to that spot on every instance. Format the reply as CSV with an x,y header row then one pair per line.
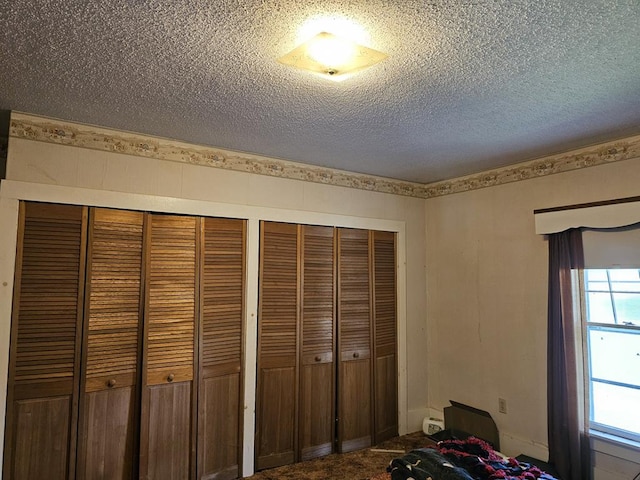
x,y
502,405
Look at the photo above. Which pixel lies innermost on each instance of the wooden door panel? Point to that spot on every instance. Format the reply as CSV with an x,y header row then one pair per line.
x,y
385,325
355,346
317,378
221,339
42,440
386,424
317,411
44,357
277,346
355,404
170,431
112,336
110,430
169,348
219,422
277,419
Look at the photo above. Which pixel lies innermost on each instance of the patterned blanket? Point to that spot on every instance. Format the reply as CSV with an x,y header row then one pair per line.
x,y
470,459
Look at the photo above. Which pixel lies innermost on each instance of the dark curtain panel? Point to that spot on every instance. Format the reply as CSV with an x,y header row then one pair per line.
x,y
569,448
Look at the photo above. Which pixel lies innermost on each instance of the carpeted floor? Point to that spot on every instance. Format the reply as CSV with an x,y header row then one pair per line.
x,y
359,465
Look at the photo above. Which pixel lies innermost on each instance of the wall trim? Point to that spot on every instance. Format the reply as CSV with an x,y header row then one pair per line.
x,y
62,132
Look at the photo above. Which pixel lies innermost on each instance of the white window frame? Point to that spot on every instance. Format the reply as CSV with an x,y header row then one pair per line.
x,y
596,427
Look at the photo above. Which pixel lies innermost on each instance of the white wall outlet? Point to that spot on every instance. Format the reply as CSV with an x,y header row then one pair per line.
x,y
502,405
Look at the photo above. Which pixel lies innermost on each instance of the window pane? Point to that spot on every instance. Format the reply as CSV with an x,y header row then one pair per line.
x,y
614,350
599,308
616,406
627,307
598,286
624,274
614,356
595,274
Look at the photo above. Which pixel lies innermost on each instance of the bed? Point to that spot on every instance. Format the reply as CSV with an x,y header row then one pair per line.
x,y
468,449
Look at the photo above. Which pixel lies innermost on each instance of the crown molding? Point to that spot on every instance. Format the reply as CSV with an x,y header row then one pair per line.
x,y
61,132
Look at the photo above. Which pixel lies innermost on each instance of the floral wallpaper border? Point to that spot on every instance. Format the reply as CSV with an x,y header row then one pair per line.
x,y
61,132
4,147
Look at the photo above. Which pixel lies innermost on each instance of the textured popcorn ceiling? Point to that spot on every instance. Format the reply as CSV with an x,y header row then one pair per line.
x,y
468,85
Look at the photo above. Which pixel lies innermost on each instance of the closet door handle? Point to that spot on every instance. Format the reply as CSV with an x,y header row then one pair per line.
x,y
356,354
318,358
170,378
111,383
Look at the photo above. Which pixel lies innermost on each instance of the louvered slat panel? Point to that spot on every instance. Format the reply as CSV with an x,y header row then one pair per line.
x,y
222,287
385,290
318,293
223,292
115,266
45,342
49,289
171,298
386,394
277,345
354,319
279,286
316,423
354,297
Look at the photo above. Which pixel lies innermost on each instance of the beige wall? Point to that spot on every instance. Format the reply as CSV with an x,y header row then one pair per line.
x,y
487,295
58,173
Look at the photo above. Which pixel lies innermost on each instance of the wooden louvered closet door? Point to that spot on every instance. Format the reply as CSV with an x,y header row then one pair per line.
x,y
43,384
221,338
166,444
276,422
317,371
112,328
386,384
354,340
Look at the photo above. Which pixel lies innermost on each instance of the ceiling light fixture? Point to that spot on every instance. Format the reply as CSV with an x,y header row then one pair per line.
x,y
332,56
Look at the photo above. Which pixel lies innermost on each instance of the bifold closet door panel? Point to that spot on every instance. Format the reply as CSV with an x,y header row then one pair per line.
x,y
317,378
386,381
276,423
43,384
166,439
221,339
354,340
112,334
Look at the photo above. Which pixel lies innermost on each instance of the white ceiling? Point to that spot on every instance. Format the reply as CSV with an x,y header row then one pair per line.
x,y
468,85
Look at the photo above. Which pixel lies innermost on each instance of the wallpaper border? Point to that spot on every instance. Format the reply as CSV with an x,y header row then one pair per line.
x,y
61,132
4,146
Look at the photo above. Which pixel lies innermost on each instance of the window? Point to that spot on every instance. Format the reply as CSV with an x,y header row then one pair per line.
x,y
612,307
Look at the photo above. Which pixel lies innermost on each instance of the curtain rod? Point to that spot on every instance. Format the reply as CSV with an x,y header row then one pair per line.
x,y
588,205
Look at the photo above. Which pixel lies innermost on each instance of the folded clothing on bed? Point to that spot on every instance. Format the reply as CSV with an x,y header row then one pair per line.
x,y
425,464
469,459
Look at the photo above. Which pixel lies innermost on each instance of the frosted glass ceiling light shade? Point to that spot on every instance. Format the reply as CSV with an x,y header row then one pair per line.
x,y
332,56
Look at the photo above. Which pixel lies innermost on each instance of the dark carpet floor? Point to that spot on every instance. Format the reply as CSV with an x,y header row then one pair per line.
x,y
359,465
